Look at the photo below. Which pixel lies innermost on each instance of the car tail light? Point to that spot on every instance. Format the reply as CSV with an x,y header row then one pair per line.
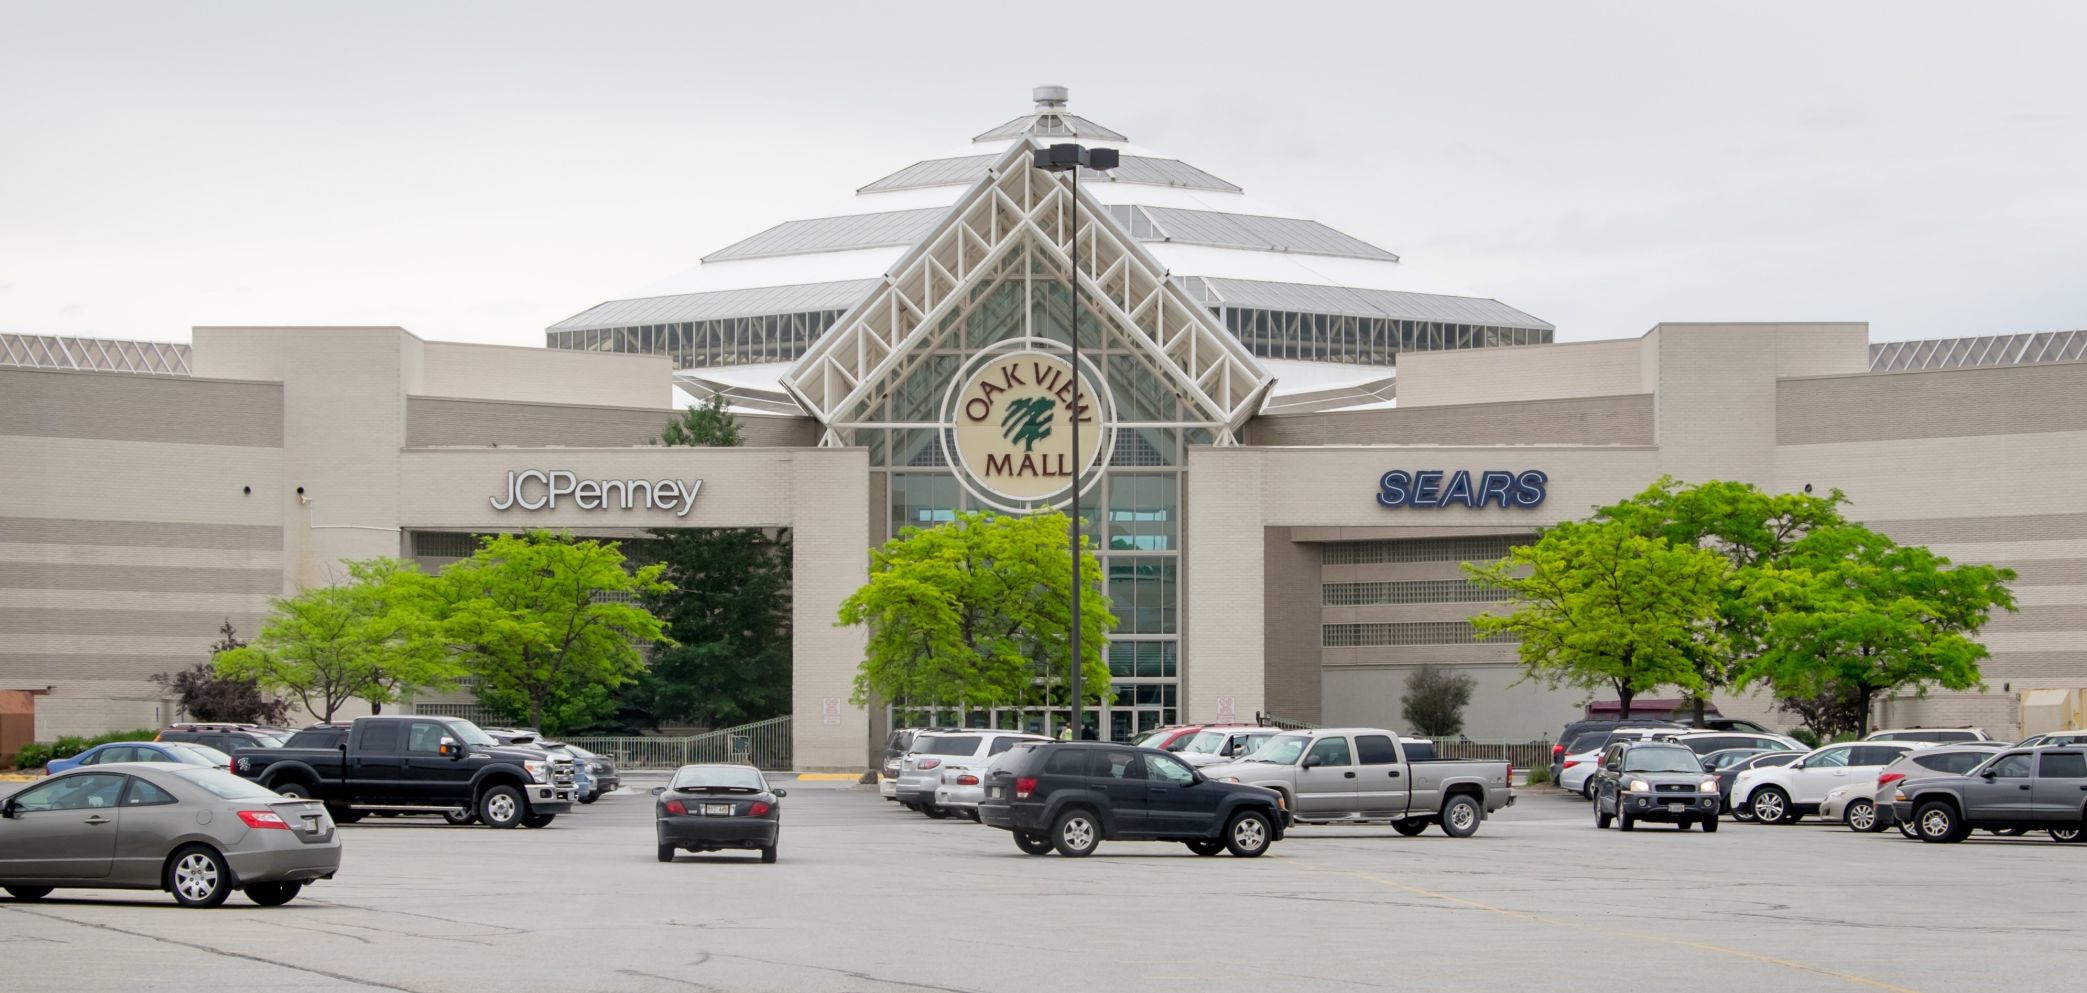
x,y
1557,749
1601,760
967,779
1889,778
267,820
1025,786
1569,763
759,809
928,763
676,807
1510,774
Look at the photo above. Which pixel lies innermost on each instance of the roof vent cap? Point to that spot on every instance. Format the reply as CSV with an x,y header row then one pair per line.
x,y
1050,97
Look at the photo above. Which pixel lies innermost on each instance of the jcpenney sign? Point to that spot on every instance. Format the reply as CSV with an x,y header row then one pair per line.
x,y
1430,488
538,489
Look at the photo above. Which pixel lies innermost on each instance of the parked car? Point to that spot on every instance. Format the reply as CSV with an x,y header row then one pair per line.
x,y
1568,738
1866,806
142,751
1069,796
412,763
960,779
1223,743
1714,722
226,738
1329,775
601,773
896,745
1577,772
1725,767
707,808
526,738
1931,735
1785,794
194,831
1176,737
1705,742
1654,781
2042,788
2053,738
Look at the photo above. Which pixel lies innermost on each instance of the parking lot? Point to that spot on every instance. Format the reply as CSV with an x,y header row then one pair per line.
x,y
870,898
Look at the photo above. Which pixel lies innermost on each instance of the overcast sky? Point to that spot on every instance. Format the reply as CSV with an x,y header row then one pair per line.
x,y
479,171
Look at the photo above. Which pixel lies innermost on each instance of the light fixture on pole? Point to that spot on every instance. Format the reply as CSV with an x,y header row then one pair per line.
x,y
1069,157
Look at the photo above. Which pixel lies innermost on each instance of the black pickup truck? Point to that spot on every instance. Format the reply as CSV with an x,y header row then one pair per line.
x,y
414,763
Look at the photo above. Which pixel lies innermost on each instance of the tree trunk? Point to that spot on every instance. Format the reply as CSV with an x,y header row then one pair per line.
x,y
1698,701
1623,699
536,711
1862,716
376,708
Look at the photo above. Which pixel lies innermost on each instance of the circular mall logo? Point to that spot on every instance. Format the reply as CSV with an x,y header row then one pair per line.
x,y
1011,423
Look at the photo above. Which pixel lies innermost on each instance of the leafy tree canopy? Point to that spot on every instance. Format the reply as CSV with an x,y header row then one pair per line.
x,y
549,625
1435,701
707,424
1857,613
1599,605
726,608
976,613
372,636
203,695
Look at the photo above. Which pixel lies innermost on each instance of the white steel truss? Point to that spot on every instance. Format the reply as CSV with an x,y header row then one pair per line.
x,y
35,351
1020,211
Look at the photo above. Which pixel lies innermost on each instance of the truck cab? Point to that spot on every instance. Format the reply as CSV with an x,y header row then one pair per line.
x,y
417,764
1329,775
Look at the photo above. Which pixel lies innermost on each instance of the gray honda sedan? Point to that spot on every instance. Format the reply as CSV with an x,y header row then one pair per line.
x,y
196,832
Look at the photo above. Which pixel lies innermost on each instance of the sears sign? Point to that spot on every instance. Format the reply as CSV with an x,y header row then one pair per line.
x,y
1462,488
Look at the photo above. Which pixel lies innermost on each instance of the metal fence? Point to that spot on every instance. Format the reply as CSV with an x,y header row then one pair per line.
x,y
1523,754
762,744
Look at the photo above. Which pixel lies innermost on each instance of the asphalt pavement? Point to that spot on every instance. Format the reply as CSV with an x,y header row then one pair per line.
x,y
869,898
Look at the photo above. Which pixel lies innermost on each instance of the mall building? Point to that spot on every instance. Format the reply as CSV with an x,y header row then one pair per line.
x,y
1286,449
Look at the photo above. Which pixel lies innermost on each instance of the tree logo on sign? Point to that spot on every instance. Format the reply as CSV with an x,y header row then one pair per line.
x,y
1010,423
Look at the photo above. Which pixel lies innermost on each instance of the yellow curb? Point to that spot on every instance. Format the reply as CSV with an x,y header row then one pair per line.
x,y
828,777
20,777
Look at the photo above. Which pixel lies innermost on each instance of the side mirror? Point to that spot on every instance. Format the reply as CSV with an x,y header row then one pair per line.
x,y
1313,762
781,793
448,746
7,809
1988,775
1709,767
657,790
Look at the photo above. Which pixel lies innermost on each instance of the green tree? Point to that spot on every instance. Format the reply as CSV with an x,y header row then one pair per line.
x,y
1752,530
976,613
369,636
549,625
726,607
1598,605
1435,701
1857,613
708,425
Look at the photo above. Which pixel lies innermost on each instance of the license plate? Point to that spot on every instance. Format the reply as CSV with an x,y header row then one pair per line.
x,y
311,824
993,791
1676,807
717,810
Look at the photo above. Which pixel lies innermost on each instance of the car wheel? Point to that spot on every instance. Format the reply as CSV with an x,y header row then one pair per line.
x,y
1034,844
1587,789
1624,821
934,813
666,853
1206,846
1460,817
1907,830
590,798
2067,836
199,877
28,893
538,820
1076,834
1742,811
1602,818
2009,832
298,790
1409,827
501,807
1861,816
1710,825
460,818
1938,822
1249,834
768,855
273,894
1771,805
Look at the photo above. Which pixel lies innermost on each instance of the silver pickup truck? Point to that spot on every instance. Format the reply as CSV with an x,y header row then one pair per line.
x,y
1350,775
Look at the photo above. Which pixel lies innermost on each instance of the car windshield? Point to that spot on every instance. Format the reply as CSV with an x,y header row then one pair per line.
x,y
200,755
1283,749
1204,743
580,752
1773,759
719,777
1661,760
226,785
1153,740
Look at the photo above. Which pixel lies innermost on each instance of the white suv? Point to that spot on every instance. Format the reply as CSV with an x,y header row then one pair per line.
x,y
936,753
1782,794
1930,736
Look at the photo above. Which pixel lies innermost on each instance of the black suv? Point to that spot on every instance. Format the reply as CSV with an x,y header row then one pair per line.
x,y
1070,795
226,738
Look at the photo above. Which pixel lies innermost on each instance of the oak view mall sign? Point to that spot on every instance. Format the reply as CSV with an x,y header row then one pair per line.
x,y
539,489
1435,488
1010,421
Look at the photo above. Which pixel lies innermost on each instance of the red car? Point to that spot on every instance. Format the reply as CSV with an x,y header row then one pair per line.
x,y
1174,739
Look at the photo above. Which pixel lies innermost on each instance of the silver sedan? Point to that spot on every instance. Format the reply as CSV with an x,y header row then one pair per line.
x,y
196,832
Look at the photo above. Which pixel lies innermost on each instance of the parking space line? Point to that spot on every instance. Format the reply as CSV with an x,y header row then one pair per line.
x,y
1640,935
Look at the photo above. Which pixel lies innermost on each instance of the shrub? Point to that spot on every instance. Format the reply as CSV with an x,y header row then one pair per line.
x,y
1539,775
35,755
1805,736
1435,701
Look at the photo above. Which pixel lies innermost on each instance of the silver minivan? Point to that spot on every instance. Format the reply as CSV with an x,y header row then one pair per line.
x,y
934,752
